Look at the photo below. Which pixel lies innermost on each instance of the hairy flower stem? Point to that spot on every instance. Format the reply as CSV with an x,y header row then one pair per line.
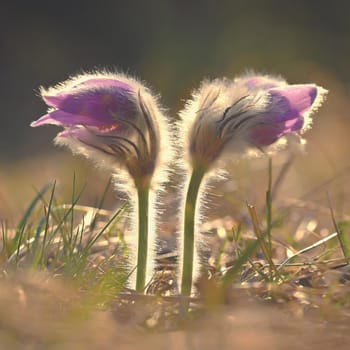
x,y
189,227
143,199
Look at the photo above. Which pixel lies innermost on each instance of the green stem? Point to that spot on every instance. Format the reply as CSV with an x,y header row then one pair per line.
x,y
143,197
189,225
268,207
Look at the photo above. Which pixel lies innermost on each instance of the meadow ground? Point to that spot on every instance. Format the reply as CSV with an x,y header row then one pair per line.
x,y
64,265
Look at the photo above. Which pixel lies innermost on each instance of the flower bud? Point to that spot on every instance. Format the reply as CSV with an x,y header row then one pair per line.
x,y
112,119
238,117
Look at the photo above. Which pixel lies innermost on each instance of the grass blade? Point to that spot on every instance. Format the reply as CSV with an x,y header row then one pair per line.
x,y
93,241
232,273
340,229
261,241
16,243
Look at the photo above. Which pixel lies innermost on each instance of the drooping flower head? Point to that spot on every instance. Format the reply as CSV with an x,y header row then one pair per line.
x,y
113,119
234,118
252,112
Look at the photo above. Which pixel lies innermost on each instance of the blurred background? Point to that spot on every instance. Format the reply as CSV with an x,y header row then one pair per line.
x,y
172,45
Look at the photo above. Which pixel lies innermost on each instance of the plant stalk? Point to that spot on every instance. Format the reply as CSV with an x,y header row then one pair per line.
x,y
143,201
189,226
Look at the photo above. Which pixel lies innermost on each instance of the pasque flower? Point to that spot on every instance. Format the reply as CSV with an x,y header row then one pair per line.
x,y
116,121
237,118
112,119
245,114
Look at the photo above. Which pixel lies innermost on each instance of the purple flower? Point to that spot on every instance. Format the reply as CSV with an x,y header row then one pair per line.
x,y
112,119
286,113
250,112
93,102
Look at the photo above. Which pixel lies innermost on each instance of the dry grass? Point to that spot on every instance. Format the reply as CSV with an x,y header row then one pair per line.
x,y
38,312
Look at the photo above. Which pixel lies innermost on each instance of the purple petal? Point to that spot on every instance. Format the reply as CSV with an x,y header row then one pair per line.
x,y
93,132
95,83
46,120
293,125
296,99
101,101
284,115
67,119
265,134
262,135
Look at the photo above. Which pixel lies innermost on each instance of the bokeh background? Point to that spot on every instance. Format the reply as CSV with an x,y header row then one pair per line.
x,y
172,45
